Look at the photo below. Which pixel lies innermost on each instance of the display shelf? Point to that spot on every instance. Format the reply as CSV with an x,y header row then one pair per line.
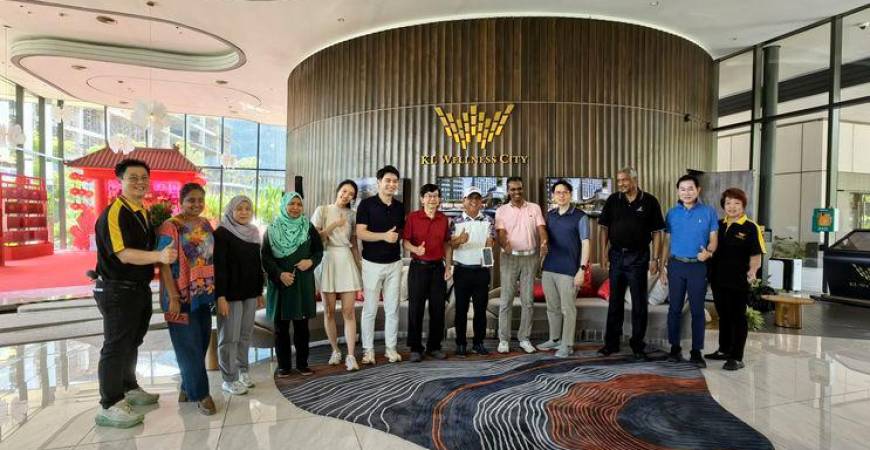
x,y
23,222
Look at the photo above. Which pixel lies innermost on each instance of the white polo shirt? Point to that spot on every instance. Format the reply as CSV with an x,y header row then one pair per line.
x,y
479,229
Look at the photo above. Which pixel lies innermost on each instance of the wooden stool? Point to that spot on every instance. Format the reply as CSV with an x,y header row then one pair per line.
x,y
788,309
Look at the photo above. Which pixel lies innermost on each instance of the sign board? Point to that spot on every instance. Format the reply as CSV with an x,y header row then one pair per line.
x,y
825,220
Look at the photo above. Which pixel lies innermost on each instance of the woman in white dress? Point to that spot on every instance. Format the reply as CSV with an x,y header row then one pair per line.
x,y
340,277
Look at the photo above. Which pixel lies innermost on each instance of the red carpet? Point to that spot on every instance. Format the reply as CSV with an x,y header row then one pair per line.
x,y
58,270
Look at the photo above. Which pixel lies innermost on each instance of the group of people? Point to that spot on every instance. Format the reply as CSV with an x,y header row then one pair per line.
x,y
225,269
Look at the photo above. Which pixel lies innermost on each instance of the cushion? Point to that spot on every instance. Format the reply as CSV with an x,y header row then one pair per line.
x,y
538,292
604,290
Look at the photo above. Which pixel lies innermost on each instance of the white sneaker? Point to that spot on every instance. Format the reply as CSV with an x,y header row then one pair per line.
x,y
549,345
369,356
234,388
245,380
119,415
393,355
335,359
138,397
504,347
564,352
350,363
527,346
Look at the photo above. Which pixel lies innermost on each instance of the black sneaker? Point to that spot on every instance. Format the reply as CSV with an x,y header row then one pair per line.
x,y
717,356
416,357
733,364
461,351
640,356
607,351
305,371
283,373
437,354
479,349
676,355
697,359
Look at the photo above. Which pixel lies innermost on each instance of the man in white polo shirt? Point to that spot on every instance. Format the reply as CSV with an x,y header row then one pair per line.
x,y
470,234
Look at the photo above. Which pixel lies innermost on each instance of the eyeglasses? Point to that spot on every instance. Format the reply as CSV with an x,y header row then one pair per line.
x,y
137,179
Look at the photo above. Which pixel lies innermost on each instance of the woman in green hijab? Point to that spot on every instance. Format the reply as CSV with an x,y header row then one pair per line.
x,y
291,250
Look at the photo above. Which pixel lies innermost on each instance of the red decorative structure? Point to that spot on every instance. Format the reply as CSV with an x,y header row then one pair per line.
x,y
169,171
23,222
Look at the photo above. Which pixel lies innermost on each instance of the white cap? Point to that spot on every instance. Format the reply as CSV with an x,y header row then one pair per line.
x,y
471,190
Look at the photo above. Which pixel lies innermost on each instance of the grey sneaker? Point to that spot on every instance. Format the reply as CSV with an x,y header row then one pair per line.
x,y
246,380
120,415
138,397
527,346
563,352
549,345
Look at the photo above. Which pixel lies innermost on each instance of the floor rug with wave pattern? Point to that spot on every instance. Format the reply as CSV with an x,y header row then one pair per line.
x,y
521,401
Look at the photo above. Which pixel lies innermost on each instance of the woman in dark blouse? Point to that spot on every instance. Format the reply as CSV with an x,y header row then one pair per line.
x,y
239,283
291,250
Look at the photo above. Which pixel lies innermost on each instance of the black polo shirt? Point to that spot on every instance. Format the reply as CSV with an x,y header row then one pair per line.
x,y
381,218
738,241
123,225
630,224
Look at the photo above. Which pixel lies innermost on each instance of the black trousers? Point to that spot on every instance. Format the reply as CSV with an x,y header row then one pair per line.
x,y
126,310
283,349
471,284
731,305
426,283
628,269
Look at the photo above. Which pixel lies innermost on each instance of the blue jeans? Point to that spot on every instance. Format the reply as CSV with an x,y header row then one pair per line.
x,y
686,278
191,343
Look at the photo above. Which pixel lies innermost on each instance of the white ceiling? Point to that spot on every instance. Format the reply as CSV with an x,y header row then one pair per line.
x,y
271,37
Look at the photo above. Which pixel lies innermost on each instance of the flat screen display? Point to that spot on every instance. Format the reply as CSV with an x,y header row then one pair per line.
x,y
589,194
494,190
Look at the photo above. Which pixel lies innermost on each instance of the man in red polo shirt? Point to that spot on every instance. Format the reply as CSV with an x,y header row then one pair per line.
x,y
426,236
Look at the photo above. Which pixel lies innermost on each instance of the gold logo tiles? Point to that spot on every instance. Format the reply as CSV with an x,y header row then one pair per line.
x,y
474,125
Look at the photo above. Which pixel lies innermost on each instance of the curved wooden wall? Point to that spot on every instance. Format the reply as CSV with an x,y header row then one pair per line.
x,y
590,97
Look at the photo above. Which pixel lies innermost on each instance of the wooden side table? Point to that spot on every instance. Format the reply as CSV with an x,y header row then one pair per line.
x,y
788,309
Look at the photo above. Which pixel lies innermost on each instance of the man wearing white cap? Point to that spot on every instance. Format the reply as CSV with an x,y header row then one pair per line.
x,y
471,233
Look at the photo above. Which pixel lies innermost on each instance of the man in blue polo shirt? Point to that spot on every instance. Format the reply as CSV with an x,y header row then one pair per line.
x,y
693,230
564,267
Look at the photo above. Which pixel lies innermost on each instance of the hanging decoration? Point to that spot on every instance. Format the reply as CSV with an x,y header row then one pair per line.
x,y
61,114
121,143
150,113
13,136
81,199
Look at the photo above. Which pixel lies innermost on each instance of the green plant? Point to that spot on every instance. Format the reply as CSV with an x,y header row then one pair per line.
x,y
786,247
268,203
754,319
159,213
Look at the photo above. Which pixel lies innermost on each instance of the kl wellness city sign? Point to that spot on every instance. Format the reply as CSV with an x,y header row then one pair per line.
x,y
473,128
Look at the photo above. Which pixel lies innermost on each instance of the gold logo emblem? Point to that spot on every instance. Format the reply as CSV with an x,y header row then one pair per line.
x,y
473,125
863,272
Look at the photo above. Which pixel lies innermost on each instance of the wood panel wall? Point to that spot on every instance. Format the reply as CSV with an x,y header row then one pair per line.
x,y
590,97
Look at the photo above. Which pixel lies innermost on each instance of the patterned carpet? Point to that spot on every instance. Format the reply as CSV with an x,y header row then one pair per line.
x,y
520,401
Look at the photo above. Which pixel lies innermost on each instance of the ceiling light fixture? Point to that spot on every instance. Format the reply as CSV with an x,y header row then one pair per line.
x,y
341,19
221,82
78,67
149,112
654,4
106,20
61,114
13,136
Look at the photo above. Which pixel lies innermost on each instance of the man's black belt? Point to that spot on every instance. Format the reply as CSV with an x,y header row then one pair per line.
x,y
122,283
469,266
628,250
426,263
685,260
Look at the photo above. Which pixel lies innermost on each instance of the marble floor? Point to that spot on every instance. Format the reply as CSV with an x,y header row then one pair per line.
x,y
802,392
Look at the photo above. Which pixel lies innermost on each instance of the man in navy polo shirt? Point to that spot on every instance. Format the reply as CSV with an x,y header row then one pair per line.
x,y
693,229
564,267
379,223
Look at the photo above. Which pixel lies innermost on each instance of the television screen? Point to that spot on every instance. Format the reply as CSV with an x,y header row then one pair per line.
x,y
494,190
368,187
589,194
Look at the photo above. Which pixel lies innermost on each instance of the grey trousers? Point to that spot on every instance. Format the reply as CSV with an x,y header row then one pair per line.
x,y
524,268
234,338
561,310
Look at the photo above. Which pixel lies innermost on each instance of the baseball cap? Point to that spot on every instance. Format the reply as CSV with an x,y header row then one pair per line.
x,y
471,190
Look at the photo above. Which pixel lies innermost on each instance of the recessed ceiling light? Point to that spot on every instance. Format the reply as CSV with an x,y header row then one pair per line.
x,y
654,3
124,102
221,81
734,39
341,19
151,3
864,25
106,20
120,81
78,67
61,14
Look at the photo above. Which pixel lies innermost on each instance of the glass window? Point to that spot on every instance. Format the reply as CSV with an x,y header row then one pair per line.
x,y
120,124
7,110
853,179
212,193
171,136
733,150
240,143
803,69
203,146
269,192
735,89
237,181
856,56
273,147
85,131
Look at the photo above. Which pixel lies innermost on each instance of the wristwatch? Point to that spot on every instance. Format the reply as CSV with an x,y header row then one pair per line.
x,y
584,267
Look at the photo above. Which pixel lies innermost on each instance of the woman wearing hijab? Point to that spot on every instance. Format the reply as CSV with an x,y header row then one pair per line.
x,y
291,250
239,283
187,293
